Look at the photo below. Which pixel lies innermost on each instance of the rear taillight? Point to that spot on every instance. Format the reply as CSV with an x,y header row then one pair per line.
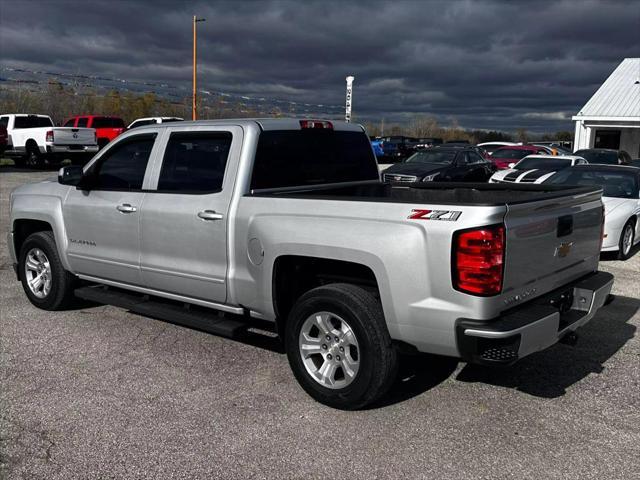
x,y
316,124
49,137
478,260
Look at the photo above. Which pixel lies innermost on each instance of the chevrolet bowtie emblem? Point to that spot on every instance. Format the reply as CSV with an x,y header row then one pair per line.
x,y
563,249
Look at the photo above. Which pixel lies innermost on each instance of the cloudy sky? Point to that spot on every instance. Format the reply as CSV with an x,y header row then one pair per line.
x,y
486,64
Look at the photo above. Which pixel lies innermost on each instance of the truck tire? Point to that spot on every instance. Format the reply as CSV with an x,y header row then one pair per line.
x,y
627,239
339,347
34,158
45,281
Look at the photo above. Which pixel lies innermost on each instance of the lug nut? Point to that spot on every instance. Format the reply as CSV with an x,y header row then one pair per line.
x,y
342,349
324,347
329,356
338,357
328,338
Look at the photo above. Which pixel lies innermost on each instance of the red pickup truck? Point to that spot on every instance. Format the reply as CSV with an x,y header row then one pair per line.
x,y
107,128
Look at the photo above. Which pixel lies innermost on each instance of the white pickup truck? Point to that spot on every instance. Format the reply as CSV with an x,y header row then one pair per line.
x,y
33,140
286,222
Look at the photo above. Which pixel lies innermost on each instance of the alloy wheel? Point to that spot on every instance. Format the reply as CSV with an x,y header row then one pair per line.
x,y
38,272
329,350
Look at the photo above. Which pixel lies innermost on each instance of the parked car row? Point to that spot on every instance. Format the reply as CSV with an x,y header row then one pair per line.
x,y
33,140
611,170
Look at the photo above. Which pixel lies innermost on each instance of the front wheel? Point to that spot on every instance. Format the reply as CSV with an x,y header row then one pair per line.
x,y
339,347
627,238
45,281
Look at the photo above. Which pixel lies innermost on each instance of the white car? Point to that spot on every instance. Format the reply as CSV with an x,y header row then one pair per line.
x,y
141,122
535,168
621,198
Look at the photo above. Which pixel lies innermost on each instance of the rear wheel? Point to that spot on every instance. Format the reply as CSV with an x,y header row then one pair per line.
x,y
339,347
45,281
627,238
33,158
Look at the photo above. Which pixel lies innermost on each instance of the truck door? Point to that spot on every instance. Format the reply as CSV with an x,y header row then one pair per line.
x,y
185,218
102,218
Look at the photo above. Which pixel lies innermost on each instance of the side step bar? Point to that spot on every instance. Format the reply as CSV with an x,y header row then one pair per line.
x,y
183,314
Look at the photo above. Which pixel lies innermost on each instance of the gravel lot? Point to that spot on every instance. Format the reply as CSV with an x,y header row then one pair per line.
x,y
102,393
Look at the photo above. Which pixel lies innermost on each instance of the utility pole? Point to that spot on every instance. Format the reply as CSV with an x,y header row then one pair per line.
x,y
194,107
347,113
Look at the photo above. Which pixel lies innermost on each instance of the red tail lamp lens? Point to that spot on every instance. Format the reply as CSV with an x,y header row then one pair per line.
x,y
478,260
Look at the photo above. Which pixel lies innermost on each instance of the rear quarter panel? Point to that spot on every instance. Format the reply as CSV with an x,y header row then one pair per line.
x,y
411,259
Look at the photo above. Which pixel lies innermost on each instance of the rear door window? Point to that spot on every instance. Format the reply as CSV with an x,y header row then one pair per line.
x,y
70,123
83,122
195,162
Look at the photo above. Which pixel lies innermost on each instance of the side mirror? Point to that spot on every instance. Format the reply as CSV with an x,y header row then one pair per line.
x,y
511,165
70,175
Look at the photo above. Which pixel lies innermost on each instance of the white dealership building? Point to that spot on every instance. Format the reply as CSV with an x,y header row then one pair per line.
x,y
611,118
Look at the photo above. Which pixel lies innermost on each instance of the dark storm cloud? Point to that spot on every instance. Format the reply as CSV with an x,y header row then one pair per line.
x,y
486,64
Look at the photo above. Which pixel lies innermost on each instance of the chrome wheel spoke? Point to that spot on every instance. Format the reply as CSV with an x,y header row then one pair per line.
x,y
323,323
310,346
36,282
349,366
327,372
32,264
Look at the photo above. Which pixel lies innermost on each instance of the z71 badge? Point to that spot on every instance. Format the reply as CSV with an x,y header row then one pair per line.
x,y
445,215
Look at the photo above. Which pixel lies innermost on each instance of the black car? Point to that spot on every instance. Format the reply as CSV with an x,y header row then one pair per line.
x,y
604,156
441,164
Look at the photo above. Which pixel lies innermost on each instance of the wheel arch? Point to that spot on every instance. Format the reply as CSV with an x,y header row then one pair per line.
x,y
293,275
31,214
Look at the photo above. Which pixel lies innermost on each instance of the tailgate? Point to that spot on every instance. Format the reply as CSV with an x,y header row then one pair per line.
x,y
74,136
551,242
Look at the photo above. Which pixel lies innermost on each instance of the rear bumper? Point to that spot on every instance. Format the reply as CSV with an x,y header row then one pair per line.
x,y
72,149
534,326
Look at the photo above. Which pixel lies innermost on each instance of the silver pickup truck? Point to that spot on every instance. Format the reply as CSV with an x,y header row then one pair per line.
x,y
285,222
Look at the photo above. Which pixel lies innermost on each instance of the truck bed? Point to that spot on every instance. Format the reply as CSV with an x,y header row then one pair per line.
x,y
469,194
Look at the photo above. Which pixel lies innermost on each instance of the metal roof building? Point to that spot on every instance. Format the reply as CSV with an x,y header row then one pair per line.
x,y
611,117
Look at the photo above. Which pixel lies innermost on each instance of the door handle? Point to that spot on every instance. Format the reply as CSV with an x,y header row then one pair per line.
x,y
126,208
210,215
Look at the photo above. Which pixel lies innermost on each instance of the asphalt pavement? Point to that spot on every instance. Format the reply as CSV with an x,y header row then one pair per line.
x,y
98,392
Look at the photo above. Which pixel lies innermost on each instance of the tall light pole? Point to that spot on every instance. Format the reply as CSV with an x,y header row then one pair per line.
x,y
194,107
347,112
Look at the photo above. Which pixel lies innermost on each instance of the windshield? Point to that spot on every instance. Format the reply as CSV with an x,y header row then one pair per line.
x,y
432,156
543,164
614,184
599,156
511,153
